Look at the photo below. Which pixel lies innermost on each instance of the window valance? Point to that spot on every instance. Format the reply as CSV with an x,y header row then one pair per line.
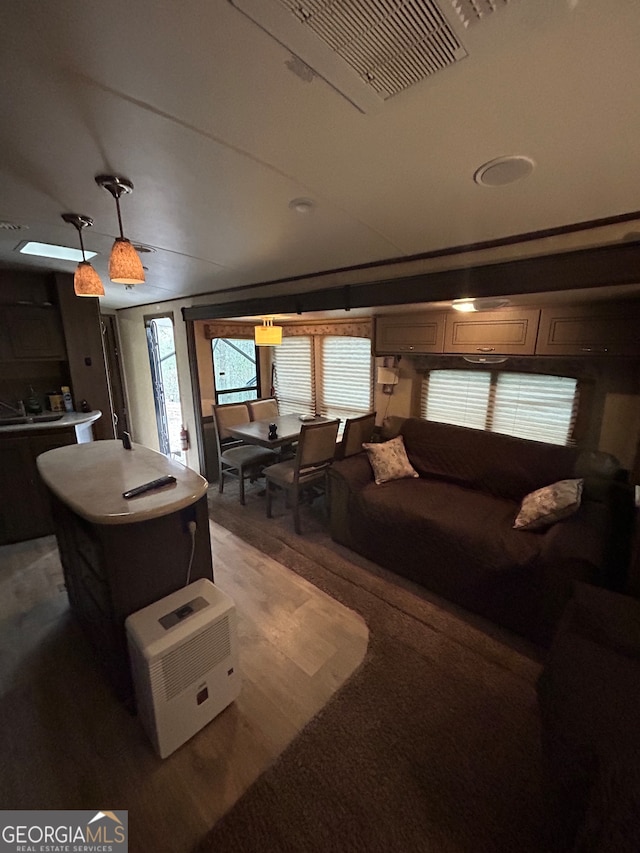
x,y
357,328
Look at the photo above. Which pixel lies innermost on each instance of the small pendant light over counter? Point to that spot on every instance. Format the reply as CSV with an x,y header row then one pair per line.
x,y
86,281
125,266
267,335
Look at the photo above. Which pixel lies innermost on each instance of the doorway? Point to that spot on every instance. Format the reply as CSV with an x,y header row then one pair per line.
x,y
164,378
114,375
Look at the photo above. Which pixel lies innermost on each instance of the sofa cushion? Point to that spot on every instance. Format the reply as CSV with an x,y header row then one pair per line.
x,y
462,534
499,464
389,460
545,506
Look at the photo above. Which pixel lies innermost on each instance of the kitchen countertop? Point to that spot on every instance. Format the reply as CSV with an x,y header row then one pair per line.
x,y
69,419
90,479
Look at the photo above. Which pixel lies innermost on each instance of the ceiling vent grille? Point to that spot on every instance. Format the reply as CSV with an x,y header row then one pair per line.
x,y
369,50
389,45
473,11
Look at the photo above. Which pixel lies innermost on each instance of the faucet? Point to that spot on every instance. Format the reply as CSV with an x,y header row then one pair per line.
x,y
18,409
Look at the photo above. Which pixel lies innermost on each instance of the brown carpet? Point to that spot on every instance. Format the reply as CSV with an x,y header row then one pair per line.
x,y
433,745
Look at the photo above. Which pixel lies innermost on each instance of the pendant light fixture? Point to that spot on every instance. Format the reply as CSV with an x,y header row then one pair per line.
x,y
267,335
125,266
86,281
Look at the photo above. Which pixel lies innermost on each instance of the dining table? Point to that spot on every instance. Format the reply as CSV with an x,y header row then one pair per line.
x,y
287,429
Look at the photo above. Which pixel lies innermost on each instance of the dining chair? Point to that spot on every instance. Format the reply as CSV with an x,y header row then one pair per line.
x,y
260,410
235,459
315,452
356,430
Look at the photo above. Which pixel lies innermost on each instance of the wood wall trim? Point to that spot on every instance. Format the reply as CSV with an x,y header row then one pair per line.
x,y
599,267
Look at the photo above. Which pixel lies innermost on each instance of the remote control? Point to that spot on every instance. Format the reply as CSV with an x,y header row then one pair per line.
x,y
147,487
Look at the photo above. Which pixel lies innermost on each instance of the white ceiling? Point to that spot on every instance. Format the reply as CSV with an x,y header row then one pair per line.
x,y
196,105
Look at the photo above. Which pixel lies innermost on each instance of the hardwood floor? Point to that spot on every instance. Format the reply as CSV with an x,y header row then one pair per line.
x,y
66,743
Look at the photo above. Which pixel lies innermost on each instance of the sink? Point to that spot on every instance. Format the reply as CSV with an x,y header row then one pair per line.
x,y
11,421
28,419
37,419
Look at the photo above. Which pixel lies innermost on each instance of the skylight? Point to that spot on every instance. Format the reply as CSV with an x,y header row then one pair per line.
x,y
58,253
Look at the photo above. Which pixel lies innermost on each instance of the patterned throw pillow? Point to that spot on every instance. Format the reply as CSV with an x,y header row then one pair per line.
x,y
550,504
389,460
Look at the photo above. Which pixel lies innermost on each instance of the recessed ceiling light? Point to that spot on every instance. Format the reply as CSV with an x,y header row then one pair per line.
x,y
48,250
504,170
301,205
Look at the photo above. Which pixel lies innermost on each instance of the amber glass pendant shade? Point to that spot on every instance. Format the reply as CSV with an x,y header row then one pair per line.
x,y
86,281
125,266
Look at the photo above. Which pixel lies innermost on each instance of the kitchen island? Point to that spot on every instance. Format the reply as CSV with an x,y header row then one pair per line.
x,y
120,555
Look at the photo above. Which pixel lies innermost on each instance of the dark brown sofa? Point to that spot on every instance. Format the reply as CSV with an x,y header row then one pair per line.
x,y
451,529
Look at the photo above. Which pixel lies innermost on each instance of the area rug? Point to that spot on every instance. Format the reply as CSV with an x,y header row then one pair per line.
x,y
432,745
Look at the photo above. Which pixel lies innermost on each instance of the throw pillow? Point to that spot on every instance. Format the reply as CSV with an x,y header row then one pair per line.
x,y
389,460
545,506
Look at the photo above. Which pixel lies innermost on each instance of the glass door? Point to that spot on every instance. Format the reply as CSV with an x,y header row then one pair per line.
x,y
164,377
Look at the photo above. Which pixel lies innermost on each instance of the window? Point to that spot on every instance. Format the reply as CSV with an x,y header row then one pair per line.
x,y
527,405
330,375
235,369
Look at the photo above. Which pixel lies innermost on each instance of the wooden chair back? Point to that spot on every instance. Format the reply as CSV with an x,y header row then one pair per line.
x,y
356,430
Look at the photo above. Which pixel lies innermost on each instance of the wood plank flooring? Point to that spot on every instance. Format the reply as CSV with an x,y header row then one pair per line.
x,y
66,743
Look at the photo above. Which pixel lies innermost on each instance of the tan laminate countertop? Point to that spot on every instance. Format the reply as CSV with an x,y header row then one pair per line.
x,y
90,479
68,419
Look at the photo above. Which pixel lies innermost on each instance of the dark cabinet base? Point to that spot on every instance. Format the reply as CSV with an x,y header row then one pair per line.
x,y
113,570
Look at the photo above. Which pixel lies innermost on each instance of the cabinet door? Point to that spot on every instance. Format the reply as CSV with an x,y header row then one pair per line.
x,y
34,332
42,521
419,332
492,332
19,505
590,330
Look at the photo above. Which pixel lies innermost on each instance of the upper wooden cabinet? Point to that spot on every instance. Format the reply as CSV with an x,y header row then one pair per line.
x,y
420,332
31,332
492,332
597,329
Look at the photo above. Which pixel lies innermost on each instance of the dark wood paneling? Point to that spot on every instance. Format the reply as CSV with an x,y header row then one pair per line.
x,y
607,265
87,364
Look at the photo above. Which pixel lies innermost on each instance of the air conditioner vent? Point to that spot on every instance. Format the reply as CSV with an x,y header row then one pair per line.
x,y
390,45
369,50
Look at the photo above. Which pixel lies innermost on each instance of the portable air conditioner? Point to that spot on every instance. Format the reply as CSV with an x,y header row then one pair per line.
x,y
184,662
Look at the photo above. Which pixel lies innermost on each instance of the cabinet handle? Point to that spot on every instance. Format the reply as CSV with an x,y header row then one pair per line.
x,y
594,349
485,349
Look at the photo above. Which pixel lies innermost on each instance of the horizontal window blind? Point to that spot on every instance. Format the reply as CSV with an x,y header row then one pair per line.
x,y
526,405
294,379
533,406
458,397
345,388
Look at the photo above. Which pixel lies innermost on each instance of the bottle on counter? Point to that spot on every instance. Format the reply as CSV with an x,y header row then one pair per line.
x,y
32,402
66,398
